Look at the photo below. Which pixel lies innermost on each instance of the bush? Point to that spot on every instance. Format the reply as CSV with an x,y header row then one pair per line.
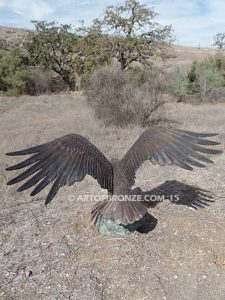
x,y
43,81
220,63
192,79
204,76
13,73
53,46
202,80
178,85
138,74
120,101
17,77
208,78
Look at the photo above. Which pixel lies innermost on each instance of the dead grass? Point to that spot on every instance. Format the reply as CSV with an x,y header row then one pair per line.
x,y
54,253
183,55
219,260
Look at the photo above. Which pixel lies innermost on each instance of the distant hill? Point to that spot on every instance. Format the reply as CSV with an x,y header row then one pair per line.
x,y
186,55
14,37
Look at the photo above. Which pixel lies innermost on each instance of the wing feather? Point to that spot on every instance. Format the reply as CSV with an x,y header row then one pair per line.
x,y
65,160
165,146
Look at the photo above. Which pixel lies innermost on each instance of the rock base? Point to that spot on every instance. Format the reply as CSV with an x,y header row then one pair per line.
x,y
107,227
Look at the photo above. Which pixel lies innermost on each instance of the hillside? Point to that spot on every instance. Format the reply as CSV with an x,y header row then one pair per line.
x,y
186,55
12,37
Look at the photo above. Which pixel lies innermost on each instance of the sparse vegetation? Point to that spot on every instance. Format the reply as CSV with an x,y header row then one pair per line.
x,y
120,100
203,79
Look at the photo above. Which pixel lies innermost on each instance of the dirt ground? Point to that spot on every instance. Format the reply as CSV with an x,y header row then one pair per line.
x,y
54,252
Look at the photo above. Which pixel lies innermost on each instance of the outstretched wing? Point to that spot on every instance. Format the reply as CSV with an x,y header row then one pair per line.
x,y
164,146
65,160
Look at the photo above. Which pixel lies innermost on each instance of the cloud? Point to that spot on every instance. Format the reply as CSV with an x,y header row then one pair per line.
x,y
31,9
2,3
195,21
21,12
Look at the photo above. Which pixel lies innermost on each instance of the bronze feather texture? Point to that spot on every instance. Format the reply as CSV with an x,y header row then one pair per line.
x,y
70,158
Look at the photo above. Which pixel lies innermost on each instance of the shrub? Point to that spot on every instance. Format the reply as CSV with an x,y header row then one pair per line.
x,y
202,80
192,78
138,74
118,100
13,73
207,79
42,81
53,46
219,59
178,85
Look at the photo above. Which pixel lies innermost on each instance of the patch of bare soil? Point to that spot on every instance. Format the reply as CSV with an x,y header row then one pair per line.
x,y
53,252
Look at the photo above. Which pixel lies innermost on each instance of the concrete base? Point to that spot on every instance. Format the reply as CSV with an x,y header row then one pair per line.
x,y
107,227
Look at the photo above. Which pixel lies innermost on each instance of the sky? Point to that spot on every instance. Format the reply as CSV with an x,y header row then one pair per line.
x,y
195,22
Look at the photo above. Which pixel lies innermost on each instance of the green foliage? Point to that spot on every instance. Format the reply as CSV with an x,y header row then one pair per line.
x,y
65,52
209,78
220,63
202,79
127,33
132,34
13,73
92,49
53,46
204,76
178,85
192,78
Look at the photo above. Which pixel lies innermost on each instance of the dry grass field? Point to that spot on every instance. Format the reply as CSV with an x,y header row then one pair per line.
x,y
53,252
183,55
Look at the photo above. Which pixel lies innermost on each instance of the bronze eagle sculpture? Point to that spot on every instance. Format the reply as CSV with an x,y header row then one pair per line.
x,y
70,158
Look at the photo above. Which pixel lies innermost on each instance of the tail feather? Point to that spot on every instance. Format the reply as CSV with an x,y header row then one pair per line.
x,y
121,212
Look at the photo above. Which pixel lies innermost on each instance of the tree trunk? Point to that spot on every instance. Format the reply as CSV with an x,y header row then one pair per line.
x,y
65,76
70,84
123,61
